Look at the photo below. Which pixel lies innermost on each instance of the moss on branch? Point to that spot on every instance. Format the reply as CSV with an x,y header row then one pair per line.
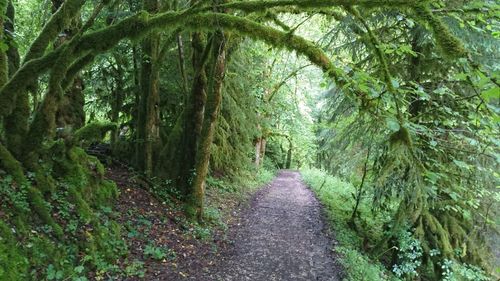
x,y
94,132
255,6
139,25
59,20
267,34
450,45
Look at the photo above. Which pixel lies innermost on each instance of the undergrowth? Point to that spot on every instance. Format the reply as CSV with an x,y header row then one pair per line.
x,y
336,197
56,223
355,241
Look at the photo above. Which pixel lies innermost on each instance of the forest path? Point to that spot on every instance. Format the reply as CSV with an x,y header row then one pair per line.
x,y
281,237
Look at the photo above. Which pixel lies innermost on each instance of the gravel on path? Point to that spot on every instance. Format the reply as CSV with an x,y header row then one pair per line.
x,y
281,237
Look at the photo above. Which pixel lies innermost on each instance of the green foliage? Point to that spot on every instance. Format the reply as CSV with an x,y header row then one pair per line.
x,y
212,215
360,267
336,197
201,232
455,271
14,264
451,46
409,255
220,184
14,195
65,221
136,268
425,140
159,253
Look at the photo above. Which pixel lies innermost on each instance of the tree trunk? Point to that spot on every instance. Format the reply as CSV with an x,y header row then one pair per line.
x,y
182,67
148,132
70,111
263,144
212,109
260,149
289,158
289,154
116,104
16,124
258,145
359,192
178,156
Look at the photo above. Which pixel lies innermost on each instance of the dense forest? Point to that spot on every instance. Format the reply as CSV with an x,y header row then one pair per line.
x,y
389,108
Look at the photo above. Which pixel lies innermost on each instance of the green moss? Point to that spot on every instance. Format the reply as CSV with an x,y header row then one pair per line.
x,y
11,165
13,262
16,124
4,65
94,132
450,45
56,24
82,208
255,6
75,69
402,136
69,187
23,79
267,34
44,182
41,208
106,191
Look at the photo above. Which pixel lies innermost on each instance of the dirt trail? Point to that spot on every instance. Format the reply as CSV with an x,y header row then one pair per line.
x,y
281,237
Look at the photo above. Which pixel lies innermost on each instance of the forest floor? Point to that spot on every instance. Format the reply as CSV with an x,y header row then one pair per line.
x,y
280,235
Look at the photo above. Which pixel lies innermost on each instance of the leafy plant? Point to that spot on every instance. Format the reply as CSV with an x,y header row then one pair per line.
x,y
409,255
13,194
136,268
159,253
455,271
201,232
53,273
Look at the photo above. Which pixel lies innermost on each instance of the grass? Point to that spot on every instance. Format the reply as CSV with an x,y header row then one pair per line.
x,y
337,198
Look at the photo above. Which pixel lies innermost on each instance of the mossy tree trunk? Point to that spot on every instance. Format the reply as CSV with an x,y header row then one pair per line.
x,y
16,124
4,63
70,111
179,154
54,167
214,100
118,97
148,127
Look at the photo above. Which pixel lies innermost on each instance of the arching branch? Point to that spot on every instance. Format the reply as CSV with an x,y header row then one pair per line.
x,y
255,6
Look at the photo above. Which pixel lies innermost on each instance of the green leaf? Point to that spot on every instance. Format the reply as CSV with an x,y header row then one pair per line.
x,y
79,269
51,272
395,83
461,164
392,124
491,93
